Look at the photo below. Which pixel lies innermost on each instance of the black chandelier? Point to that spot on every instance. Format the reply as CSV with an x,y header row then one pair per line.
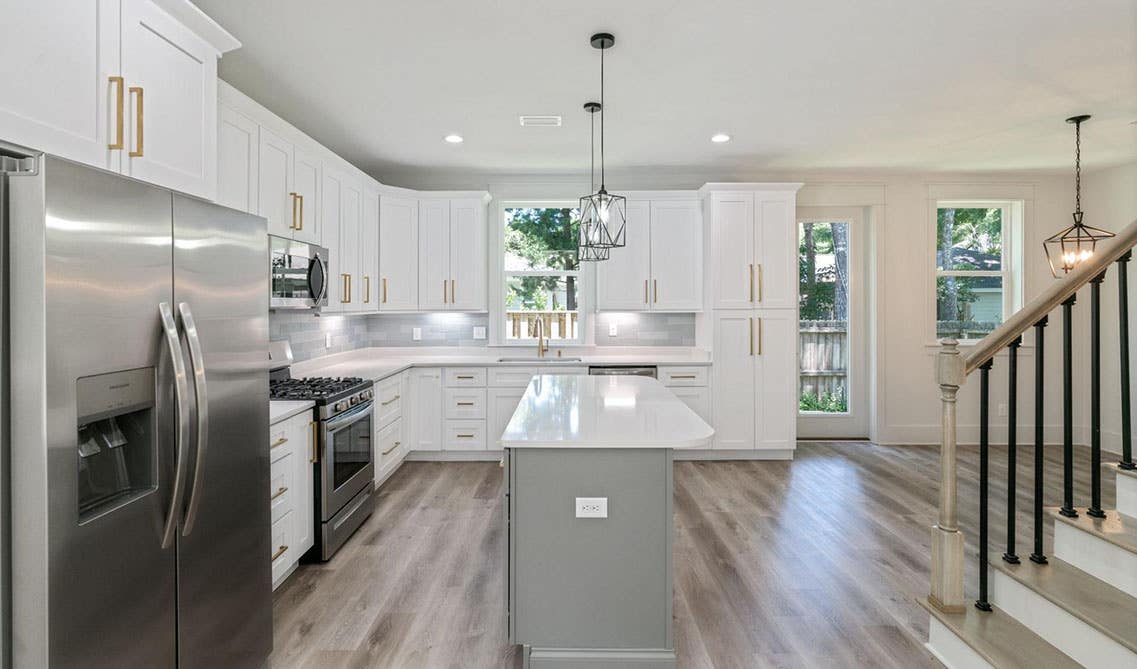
x,y
591,253
1075,244
603,216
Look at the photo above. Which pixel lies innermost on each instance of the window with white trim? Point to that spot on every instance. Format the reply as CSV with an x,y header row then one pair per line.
x,y
978,260
541,274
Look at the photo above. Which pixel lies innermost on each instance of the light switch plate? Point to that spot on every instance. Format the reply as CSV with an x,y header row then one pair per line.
x,y
591,507
479,332
416,334
612,329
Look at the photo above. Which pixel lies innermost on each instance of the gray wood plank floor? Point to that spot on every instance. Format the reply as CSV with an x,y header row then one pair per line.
x,y
811,563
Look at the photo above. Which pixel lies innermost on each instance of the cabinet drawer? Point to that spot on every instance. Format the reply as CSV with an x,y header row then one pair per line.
x,y
683,376
466,403
388,400
389,445
464,435
466,377
699,399
280,482
280,440
282,555
519,377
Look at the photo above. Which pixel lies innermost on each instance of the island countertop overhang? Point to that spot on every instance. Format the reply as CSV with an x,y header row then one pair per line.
x,y
576,411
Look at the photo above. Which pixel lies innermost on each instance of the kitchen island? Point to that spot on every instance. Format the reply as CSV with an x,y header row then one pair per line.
x,y
588,487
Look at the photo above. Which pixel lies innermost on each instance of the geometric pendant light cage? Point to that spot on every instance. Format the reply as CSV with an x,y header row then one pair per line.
x,y
1074,245
603,216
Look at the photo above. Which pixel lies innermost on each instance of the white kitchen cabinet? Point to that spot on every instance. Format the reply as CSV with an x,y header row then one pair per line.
x,y
500,405
776,250
398,254
292,454
699,399
452,254
238,164
776,373
661,267
369,251
754,248
733,380
331,195
426,408
351,244
305,197
276,200
732,250
124,85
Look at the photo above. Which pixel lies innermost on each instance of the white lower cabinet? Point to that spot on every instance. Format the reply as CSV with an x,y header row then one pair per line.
x,y
292,452
500,405
464,409
464,435
426,409
689,384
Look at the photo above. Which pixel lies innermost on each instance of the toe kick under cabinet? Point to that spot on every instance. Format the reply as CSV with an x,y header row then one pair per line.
x,y
292,455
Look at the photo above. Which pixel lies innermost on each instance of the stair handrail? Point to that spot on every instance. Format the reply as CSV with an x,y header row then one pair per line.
x,y
952,369
1106,253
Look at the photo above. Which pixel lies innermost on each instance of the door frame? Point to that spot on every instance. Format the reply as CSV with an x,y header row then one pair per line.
x,y
856,422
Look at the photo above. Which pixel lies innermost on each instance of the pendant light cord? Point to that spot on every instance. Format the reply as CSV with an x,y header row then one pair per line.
x,y
1077,160
592,154
602,50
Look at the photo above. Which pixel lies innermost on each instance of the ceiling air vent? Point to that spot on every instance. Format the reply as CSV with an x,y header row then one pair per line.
x,y
537,121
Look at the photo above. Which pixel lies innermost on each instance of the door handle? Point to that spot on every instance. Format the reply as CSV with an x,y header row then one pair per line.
x,y
366,289
759,266
444,291
759,336
181,444
751,336
138,112
315,444
279,442
279,491
453,291
751,273
120,90
345,294
383,404
301,197
655,287
388,451
295,205
197,361
279,552
384,300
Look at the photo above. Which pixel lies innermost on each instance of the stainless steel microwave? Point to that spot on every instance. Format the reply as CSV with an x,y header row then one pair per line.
x,y
299,274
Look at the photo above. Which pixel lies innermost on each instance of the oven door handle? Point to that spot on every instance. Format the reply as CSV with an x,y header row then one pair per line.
x,y
345,419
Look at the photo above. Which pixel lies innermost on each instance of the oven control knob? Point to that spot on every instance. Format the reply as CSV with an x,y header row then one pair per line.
x,y
369,394
354,400
340,406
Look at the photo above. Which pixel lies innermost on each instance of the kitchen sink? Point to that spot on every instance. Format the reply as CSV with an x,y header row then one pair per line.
x,y
539,361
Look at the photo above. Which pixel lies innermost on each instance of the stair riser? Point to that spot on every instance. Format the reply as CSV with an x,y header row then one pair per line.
x,y
952,651
1065,632
1097,557
1127,495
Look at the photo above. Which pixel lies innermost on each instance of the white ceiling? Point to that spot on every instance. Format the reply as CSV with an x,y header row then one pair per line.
x,y
808,84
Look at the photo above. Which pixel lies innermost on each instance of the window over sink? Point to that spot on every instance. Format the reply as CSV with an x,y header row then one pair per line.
x,y
542,275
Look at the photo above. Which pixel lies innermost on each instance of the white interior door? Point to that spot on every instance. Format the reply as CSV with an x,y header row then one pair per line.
x,y
833,338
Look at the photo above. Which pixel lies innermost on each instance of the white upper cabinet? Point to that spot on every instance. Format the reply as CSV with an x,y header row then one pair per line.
x,y
660,269
306,186
623,282
434,255
398,254
732,255
775,250
61,58
339,272
351,246
276,201
468,254
369,251
124,85
238,160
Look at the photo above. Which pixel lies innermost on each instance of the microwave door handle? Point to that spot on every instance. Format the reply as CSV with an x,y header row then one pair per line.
x,y
317,261
197,361
181,396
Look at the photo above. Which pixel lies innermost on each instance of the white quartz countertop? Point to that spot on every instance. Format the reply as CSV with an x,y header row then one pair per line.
x,y
576,411
279,410
379,363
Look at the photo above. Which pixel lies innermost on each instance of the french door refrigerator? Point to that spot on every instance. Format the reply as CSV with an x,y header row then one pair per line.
x,y
139,424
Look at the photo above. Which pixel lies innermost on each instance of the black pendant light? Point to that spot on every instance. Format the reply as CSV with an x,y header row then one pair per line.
x,y
603,216
591,253
1075,244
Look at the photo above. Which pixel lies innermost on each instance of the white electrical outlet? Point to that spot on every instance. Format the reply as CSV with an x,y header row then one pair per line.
x,y
1002,409
416,334
612,329
327,340
479,332
591,507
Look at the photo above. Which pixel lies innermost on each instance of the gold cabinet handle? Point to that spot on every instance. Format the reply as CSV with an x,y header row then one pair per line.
x,y
295,204
444,291
465,436
301,225
751,336
759,286
397,444
682,376
279,552
384,300
315,444
279,491
366,289
759,336
453,291
346,292
465,377
279,442
139,108
383,404
655,287
645,291
465,404
120,90
751,272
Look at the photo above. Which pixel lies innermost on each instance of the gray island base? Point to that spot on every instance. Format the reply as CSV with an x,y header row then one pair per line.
x,y
589,587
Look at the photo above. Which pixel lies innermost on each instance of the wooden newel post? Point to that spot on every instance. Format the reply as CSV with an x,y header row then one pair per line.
x,y
947,540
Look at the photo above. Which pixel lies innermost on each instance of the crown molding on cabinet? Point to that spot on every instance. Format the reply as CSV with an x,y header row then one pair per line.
x,y
199,22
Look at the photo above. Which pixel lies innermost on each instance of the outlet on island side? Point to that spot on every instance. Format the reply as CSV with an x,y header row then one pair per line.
x,y
1002,410
591,507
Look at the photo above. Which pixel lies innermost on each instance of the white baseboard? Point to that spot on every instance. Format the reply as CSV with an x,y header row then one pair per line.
x,y
1066,632
950,650
1096,556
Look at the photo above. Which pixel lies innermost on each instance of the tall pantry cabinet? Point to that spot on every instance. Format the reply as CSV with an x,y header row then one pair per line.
x,y
752,288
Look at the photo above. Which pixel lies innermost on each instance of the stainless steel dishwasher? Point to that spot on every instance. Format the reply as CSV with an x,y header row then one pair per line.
x,y
622,370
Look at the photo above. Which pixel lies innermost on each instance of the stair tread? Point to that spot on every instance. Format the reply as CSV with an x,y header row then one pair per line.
x,y
1124,472
1116,528
1082,595
1001,640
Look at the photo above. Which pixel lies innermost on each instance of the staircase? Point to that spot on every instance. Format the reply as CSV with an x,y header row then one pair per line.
x,y
1076,605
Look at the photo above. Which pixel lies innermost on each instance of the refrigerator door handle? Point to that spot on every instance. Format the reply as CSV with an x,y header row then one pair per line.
x,y
181,392
202,401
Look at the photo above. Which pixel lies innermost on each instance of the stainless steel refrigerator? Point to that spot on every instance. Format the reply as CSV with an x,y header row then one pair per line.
x,y
138,406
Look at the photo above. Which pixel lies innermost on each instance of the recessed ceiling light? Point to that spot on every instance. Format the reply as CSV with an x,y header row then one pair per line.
x,y
720,138
453,138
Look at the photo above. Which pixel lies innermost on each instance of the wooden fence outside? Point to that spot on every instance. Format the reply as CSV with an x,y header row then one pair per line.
x,y
823,357
558,324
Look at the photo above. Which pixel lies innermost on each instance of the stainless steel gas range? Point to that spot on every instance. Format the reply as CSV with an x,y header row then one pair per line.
x,y
345,469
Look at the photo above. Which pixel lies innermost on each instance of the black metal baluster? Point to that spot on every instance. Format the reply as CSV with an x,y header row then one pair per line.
x,y
1012,447
1068,409
1095,509
1126,418
1037,556
984,396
